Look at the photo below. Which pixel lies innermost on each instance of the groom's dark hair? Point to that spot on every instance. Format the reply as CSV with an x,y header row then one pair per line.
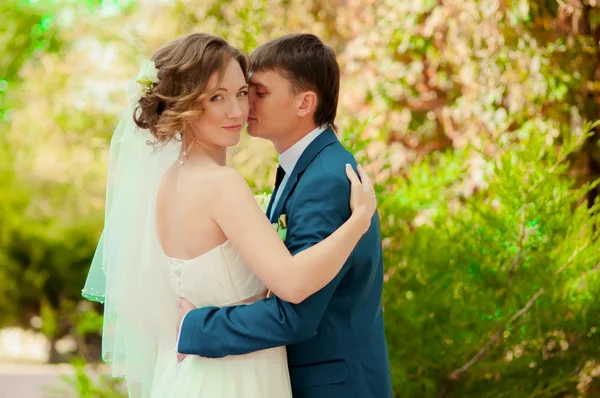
x,y
309,64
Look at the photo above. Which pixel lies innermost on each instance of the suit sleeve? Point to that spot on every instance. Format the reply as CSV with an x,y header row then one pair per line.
x,y
318,209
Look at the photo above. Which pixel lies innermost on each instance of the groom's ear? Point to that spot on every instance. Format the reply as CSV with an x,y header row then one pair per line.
x,y
307,103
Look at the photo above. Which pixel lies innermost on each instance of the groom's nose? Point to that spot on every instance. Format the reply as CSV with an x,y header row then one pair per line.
x,y
251,98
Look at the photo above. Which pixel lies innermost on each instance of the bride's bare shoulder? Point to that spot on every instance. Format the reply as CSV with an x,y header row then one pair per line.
x,y
221,179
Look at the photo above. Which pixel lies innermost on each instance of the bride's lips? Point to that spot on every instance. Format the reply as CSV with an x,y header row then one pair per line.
x,y
234,128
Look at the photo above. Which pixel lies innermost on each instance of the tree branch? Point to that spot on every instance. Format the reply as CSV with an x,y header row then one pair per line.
x,y
517,258
455,375
571,258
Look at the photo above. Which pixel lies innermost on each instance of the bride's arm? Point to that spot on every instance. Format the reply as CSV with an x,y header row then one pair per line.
x,y
292,278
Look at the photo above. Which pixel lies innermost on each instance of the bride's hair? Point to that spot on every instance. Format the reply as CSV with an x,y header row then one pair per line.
x,y
184,67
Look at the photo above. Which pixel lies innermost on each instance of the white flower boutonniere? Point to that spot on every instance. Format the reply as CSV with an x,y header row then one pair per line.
x,y
281,226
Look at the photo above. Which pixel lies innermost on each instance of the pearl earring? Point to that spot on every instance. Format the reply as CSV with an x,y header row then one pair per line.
x,y
183,153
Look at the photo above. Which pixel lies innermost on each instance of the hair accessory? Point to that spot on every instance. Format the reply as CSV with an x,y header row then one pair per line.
x,y
146,78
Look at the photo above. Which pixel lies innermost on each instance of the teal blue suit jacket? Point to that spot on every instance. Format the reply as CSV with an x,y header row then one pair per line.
x,y
335,339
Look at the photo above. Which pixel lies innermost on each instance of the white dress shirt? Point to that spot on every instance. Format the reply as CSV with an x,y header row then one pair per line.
x,y
287,160
290,157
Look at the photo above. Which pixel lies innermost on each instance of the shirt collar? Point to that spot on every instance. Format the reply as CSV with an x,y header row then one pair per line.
x,y
290,157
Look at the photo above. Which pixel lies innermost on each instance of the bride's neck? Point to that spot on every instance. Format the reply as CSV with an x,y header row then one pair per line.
x,y
197,152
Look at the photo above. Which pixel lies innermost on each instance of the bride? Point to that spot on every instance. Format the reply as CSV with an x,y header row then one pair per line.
x,y
177,223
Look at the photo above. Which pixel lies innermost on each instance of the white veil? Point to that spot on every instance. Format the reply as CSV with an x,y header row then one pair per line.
x,y
130,273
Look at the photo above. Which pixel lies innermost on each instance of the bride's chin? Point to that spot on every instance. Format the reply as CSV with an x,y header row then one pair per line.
x,y
233,144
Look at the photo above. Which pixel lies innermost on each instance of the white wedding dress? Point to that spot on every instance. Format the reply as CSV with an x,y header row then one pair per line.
x,y
219,278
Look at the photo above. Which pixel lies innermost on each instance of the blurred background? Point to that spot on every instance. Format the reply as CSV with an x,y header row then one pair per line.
x,y
475,118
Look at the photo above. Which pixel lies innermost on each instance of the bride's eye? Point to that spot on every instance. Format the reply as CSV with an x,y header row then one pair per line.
x,y
216,97
242,94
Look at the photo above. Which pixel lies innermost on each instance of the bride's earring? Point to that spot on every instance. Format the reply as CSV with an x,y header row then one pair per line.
x,y
183,151
235,151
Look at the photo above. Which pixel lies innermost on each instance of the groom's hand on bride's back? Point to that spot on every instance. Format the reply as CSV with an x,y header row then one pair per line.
x,y
184,307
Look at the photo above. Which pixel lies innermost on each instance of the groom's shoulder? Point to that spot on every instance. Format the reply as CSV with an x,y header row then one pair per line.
x,y
328,169
337,149
333,159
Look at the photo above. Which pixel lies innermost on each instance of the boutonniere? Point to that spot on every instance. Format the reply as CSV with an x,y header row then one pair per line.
x,y
281,226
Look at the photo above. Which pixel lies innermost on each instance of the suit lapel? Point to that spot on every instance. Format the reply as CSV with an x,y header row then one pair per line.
x,y
324,139
289,186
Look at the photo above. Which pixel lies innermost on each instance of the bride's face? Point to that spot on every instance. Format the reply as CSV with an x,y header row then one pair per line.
x,y
226,111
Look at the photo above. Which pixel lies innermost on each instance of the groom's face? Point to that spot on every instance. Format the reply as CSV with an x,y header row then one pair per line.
x,y
272,105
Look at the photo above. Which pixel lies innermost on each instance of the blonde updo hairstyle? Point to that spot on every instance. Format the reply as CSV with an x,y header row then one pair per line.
x,y
184,67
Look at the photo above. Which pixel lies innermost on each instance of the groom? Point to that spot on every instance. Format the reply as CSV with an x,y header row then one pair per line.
x,y
335,339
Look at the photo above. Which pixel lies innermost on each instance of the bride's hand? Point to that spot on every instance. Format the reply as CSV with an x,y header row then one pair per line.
x,y
184,307
363,201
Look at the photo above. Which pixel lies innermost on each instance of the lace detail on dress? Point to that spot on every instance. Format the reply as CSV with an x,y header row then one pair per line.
x,y
177,270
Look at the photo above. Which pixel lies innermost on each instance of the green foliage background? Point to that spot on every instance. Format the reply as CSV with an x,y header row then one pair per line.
x,y
472,116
